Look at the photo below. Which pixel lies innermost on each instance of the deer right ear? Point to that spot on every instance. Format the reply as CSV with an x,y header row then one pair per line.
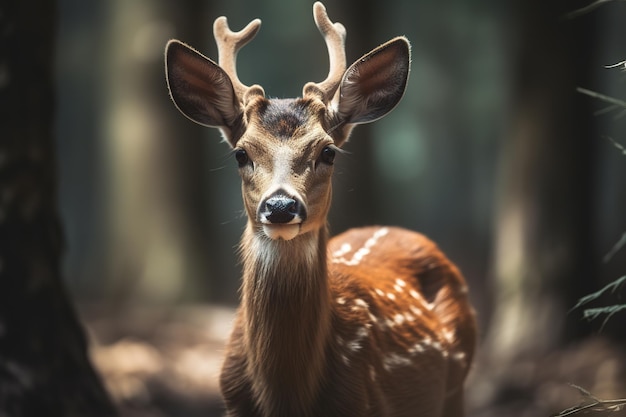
x,y
201,89
374,84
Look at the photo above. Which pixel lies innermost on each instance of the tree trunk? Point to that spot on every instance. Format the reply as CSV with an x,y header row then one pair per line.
x,y
543,259
44,367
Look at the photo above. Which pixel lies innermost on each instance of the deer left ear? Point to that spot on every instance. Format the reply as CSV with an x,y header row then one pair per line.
x,y
200,88
374,84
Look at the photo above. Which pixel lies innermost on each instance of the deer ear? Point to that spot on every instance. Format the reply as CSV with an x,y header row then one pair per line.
x,y
200,89
374,84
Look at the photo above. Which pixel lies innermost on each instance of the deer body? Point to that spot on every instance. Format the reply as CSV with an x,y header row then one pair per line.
x,y
354,335
376,321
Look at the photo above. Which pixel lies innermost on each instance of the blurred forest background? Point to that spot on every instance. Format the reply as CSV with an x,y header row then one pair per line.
x,y
492,153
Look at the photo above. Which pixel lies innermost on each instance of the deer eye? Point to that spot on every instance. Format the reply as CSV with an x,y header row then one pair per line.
x,y
242,157
328,155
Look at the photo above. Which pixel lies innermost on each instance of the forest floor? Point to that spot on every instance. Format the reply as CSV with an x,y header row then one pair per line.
x,y
161,363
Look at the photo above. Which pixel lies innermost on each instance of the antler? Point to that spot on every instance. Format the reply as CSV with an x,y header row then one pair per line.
x,y
228,44
335,36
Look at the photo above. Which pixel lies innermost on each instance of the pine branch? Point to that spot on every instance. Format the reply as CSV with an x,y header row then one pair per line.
x,y
599,96
593,296
618,246
587,9
591,402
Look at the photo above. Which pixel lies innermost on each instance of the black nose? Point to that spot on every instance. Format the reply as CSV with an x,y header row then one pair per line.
x,y
281,209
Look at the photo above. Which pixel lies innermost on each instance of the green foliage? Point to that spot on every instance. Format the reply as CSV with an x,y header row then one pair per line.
x,y
589,402
593,296
609,311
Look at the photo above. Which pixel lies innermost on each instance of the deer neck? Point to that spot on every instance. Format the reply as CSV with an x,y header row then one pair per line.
x,y
286,307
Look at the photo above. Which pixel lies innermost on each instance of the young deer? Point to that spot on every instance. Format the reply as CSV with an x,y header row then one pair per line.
x,y
375,322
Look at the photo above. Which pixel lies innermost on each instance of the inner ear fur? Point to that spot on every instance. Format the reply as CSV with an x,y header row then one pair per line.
x,y
374,84
201,89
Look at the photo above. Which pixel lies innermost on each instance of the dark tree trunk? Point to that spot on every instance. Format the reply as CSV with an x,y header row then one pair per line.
x,y
543,259
44,368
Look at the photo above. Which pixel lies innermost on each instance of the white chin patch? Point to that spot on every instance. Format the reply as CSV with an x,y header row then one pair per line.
x,y
281,231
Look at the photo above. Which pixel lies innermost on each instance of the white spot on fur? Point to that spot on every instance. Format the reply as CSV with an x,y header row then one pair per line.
x,y
429,343
377,235
437,346
409,317
448,335
416,310
361,252
362,332
360,303
373,318
345,248
398,318
379,292
459,356
400,282
359,255
419,297
391,296
394,360
341,300
355,344
416,348
397,288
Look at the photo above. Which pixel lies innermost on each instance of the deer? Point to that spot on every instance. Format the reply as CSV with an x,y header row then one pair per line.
x,y
373,322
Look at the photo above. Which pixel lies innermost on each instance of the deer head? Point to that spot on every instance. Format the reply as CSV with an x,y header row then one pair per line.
x,y
285,148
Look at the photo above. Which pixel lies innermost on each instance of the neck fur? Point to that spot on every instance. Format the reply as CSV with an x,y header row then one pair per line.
x,y
286,306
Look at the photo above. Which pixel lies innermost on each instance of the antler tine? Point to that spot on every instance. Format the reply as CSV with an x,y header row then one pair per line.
x,y
228,45
335,36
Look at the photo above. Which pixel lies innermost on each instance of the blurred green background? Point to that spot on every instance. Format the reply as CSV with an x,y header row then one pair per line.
x,y
151,203
492,153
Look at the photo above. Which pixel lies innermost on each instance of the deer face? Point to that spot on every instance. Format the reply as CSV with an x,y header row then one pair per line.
x,y
285,148
285,160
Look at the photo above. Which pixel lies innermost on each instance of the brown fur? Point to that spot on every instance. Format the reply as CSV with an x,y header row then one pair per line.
x,y
290,353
